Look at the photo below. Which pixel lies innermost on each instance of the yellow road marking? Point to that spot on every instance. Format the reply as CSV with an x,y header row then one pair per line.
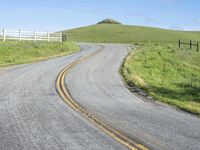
x,y
65,95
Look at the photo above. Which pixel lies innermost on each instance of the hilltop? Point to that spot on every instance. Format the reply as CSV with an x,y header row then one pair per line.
x,y
109,21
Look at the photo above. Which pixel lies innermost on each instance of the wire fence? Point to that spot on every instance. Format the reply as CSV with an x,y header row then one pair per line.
x,y
190,43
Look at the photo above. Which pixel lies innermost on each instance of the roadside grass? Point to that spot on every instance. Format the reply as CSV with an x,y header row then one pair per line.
x,y
15,52
168,74
116,33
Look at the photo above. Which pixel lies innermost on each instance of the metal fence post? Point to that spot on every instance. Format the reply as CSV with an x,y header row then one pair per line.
x,y
4,35
20,35
35,38
179,43
197,46
48,39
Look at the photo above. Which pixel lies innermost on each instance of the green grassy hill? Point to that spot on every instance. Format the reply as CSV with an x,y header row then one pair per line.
x,y
15,52
117,33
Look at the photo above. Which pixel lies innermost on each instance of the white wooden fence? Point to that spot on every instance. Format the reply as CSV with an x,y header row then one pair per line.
x,y
29,35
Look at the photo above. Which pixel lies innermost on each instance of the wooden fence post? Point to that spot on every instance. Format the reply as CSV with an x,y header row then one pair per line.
x,y
190,44
64,38
61,36
197,46
4,35
179,43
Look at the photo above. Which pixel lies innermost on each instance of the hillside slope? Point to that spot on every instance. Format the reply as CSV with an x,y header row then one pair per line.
x,y
115,33
15,52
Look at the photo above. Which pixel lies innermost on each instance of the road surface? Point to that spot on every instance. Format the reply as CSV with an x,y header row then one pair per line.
x,y
33,116
98,87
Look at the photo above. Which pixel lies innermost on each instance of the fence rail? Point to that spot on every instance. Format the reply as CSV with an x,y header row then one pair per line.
x,y
191,44
21,35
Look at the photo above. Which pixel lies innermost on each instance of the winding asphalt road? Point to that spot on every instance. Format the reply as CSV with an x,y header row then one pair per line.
x,y
98,87
33,116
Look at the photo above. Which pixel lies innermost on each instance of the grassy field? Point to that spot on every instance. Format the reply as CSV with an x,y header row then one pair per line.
x,y
14,52
115,33
169,75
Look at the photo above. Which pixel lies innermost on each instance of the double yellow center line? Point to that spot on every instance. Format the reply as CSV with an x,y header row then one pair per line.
x,y
65,95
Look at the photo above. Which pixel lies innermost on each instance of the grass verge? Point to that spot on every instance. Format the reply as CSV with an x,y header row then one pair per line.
x,y
169,75
14,52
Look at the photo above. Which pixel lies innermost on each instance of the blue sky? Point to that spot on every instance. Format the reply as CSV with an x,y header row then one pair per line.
x,y
54,15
